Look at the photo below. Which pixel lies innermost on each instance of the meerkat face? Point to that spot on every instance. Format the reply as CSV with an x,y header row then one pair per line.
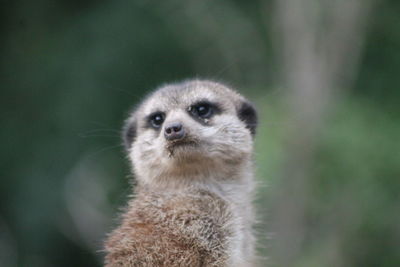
x,y
187,129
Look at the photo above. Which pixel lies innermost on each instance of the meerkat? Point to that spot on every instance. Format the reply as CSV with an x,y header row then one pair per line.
x,y
190,145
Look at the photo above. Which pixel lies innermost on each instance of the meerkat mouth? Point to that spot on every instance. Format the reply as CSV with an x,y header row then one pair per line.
x,y
172,146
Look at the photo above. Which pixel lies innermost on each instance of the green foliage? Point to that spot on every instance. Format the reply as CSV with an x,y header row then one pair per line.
x,y
353,202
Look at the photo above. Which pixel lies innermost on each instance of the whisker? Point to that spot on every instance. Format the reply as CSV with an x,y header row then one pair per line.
x,y
97,135
102,130
96,153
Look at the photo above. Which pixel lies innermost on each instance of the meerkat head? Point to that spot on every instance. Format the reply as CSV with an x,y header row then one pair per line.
x,y
191,130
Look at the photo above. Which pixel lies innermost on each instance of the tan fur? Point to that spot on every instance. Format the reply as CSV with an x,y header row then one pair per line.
x,y
193,203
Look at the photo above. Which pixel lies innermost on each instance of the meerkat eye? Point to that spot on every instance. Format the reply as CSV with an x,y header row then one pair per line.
x,y
202,110
157,119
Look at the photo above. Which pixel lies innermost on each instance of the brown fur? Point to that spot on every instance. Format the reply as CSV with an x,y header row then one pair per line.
x,y
171,229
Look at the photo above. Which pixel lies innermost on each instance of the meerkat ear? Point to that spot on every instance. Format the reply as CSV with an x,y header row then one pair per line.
x,y
248,114
129,133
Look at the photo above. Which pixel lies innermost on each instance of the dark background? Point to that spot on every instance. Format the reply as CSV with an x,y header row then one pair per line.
x,y
71,70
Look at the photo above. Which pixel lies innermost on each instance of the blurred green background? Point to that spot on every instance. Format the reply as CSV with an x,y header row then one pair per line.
x,y
71,70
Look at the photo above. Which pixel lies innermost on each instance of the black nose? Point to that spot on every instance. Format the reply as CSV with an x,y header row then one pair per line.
x,y
174,131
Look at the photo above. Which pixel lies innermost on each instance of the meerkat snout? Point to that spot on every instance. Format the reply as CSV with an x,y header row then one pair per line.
x,y
174,131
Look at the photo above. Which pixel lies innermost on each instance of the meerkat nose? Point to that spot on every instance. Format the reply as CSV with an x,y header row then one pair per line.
x,y
174,131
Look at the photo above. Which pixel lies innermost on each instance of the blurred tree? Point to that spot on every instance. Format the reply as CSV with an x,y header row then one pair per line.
x,y
316,40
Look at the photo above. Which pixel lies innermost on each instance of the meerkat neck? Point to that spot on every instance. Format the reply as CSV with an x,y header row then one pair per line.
x,y
237,178
235,187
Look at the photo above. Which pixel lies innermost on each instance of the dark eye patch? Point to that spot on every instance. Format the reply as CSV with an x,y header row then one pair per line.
x,y
204,109
156,119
